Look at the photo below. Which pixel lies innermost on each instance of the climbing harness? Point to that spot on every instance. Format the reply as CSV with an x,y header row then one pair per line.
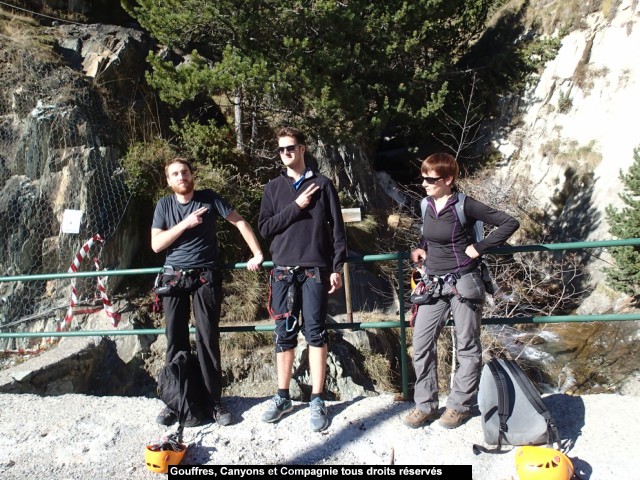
x,y
172,281
288,275
292,276
429,287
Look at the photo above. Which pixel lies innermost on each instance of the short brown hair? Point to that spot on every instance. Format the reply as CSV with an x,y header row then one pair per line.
x,y
292,132
443,164
181,160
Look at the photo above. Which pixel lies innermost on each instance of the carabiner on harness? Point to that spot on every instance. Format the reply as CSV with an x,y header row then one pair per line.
x,y
288,275
450,279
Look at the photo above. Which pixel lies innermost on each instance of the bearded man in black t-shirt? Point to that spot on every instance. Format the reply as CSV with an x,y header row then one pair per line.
x,y
184,224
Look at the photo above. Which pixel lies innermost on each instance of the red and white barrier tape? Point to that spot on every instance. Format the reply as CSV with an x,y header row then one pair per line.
x,y
82,253
108,307
24,351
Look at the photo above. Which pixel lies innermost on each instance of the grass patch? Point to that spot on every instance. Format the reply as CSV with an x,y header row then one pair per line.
x,y
560,16
245,342
20,34
245,296
378,369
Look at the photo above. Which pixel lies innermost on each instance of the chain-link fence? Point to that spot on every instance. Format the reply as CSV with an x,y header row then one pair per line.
x,y
59,151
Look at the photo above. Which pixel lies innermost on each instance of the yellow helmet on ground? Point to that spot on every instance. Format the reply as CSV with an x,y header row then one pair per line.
x,y
158,461
542,463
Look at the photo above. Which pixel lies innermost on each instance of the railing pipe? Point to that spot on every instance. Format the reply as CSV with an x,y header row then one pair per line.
x,y
402,324
541,247
623,317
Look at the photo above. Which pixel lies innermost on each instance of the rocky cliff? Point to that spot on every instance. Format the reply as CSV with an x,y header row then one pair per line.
x,y
62,137
573,130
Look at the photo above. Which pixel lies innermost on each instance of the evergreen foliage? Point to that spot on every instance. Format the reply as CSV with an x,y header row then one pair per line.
x,y
345,71
625,223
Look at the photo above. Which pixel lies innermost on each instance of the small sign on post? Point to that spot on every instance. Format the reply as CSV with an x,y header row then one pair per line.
x,y
349,215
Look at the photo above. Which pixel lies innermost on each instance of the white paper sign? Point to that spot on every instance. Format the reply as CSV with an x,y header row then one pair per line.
x,y
351,215
71,221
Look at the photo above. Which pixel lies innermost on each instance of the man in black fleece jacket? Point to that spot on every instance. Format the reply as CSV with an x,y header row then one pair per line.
x,y
300,212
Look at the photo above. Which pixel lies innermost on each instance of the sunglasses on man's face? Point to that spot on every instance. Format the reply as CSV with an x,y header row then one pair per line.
x,y
288,148
431,180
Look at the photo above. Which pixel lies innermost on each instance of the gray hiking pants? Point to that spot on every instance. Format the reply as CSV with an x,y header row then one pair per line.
x,y
429,322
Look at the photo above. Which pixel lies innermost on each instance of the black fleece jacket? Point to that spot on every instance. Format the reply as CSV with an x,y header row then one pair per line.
x,y
311,237
445,239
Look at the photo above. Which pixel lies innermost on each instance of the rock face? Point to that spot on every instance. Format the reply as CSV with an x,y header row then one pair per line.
x,y
101,366
61,146
105,53
576,128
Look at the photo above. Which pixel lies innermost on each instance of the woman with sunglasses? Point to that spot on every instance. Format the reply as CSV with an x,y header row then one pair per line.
x,y
451,260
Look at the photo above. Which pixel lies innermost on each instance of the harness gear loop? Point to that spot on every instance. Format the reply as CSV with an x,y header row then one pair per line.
x,y
451,279
157,304
428,286
288,275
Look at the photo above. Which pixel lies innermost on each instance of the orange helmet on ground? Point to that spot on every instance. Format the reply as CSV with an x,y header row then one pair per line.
x,y
542,463
158,461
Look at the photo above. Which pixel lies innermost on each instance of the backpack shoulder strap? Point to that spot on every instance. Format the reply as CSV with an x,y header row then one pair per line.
x,y
460,209
534,398
477,227
500,376
423,208
504,400
527,387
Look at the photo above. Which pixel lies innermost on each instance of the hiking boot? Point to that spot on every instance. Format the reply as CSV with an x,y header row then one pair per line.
x,y
192,421
221,415
278,407
417,418
452,418
166,417
318,419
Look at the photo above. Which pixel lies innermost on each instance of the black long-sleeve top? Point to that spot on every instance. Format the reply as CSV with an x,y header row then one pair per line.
x,y
445,239
313,236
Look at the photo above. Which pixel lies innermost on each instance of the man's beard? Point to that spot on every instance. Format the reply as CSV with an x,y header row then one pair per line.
x,y
184,188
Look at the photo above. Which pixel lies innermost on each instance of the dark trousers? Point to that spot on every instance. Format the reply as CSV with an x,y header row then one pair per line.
x,y
206,302
312,298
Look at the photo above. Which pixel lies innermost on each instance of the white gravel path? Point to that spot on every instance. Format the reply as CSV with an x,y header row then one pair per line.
x,y
86,437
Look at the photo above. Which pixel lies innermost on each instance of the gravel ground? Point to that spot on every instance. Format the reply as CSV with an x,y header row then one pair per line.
x,y
86,437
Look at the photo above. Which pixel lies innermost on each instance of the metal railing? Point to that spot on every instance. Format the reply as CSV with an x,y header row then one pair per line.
x,y
402,324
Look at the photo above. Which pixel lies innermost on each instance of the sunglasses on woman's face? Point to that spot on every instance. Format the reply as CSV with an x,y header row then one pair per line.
x,y
430,180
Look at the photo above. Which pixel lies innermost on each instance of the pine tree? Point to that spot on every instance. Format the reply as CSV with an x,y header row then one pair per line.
x,y
342,70
625,223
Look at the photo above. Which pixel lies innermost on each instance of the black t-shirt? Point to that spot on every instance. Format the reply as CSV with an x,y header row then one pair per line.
x,y
197,246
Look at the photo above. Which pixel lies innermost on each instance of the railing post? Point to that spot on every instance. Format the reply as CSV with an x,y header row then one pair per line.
x,y
349,215
403,337
347,291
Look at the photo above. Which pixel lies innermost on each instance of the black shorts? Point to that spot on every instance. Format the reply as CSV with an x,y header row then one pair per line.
x,y
312,295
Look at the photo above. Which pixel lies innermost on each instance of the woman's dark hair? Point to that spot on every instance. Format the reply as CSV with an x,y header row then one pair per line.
x,y
443,164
